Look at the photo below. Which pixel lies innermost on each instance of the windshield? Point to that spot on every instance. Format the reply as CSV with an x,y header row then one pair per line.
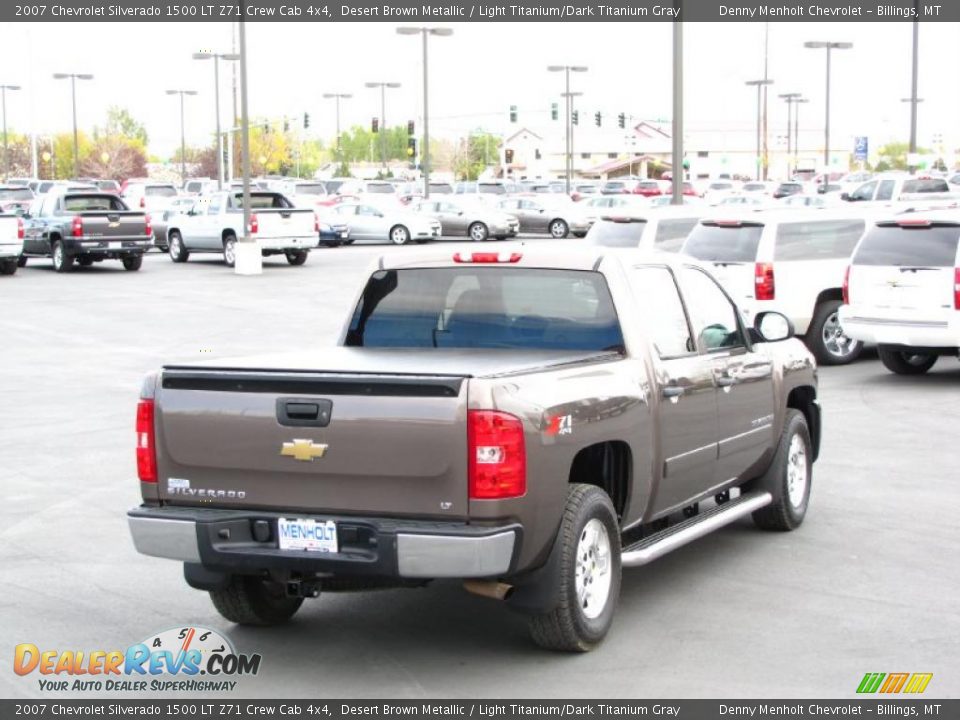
x,y
160,191
16,194
491,188
310,189
897,246
611,233
724,243
486,307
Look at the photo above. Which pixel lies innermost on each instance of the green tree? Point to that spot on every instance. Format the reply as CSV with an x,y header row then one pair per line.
x,y
475,154
893,156
121,122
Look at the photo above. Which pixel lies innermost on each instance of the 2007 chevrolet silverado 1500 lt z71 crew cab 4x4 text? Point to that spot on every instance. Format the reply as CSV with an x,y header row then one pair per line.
x,y
526,422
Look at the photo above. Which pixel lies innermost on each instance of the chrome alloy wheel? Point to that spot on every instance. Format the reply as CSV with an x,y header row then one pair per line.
x,y
836,343
594,574
798,471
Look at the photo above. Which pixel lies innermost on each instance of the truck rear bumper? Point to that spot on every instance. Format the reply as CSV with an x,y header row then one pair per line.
x,y
244,541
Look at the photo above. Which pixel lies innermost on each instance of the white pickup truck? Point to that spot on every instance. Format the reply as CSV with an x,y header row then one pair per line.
x,y
11,243
214,222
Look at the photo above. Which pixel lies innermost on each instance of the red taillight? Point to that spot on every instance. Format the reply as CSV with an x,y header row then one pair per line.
x,y
149,225
254,224
143,202
763,276
487,257
497,459
20,233
146,449
316,223
76,227
846,286
956,288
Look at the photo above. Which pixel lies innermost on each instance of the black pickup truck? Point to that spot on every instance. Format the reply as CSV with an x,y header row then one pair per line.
x,y
85,227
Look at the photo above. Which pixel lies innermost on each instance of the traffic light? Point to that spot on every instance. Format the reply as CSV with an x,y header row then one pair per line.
x,y
375,125
411,147
622,120
513,113
286,125
508,156
554,111
411,128
575,117
686,164
306,120
597,118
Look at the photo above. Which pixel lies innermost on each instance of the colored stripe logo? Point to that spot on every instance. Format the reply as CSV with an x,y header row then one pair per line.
x,y
891,683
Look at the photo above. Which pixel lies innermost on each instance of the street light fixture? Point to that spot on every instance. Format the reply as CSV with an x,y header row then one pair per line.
x,y
6,154
425,149
760,84
73,92
568,143
217,57
383,117
183,145
829,47
338,97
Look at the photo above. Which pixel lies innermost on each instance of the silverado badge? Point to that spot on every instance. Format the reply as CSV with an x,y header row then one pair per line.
x,y
305,450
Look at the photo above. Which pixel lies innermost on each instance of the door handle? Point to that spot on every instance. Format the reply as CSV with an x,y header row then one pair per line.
x,y
673,391
304,412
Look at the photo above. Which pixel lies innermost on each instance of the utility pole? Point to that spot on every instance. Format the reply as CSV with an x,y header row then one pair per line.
x,y
676,178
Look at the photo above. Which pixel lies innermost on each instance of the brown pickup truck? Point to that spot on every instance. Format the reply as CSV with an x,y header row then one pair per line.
x,y
527,422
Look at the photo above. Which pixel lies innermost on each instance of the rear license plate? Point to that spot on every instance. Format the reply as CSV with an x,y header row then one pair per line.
x,y
307,534
115,246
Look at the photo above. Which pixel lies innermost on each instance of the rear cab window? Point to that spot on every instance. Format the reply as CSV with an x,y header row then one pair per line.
x,y
817,239
486,307
672,233
617,233
724,242
909,245
261,201
92,203
160,191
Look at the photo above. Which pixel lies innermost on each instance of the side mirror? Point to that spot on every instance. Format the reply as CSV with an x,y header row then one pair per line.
x,y
772,326
25,215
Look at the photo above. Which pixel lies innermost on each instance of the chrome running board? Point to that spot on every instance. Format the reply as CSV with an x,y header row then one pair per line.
x,y
650,548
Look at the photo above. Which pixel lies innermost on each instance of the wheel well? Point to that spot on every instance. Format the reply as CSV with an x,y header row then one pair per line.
x,y
828,294
223,235
609,466
804,399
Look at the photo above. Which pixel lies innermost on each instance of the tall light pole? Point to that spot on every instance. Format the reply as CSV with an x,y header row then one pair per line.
x,y
6,152
830,47
790,99
568,96
760,85
573,163
383,117
425,149
338,97
796,130
183,144
217,57
676,130
73,92
913,99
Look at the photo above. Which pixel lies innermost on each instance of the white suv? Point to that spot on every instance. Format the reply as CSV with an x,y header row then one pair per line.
x,y
663,228
791,261
902,290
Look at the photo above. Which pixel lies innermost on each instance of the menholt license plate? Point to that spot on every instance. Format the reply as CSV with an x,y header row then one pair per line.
x,y
307,534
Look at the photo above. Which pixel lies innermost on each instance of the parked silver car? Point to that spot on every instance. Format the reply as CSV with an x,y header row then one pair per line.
x,y
557,219
475,220
379,223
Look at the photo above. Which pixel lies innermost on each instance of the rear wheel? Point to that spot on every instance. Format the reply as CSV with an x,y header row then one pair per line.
x,y
296,257
826,339
230,250
8,267
21,261
248,600
588,582
559,228
61,261
178,253
906,362
478,232
132,262
399,235
85,261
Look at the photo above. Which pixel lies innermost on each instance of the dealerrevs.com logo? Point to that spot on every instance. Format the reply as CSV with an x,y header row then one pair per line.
x,y
177,660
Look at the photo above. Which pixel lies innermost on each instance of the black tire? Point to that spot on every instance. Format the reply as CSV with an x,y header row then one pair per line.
x,y
399,235
558,228
567,626
230,250
297,257
331,243
132,262
62,262
904,362
8,267
85,261
22,261
825,338
248,600
175,247
348,241
478,232
790,502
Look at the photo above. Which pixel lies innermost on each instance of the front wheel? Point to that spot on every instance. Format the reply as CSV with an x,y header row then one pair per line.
x,y
559,229
230,250
248,600
296,257
132,262
905,362
478,232
399,235
62,262
22,261
788,478
8,267
178,252
588,584
826,338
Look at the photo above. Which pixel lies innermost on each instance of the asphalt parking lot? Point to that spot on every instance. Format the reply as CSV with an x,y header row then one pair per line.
x,y
868,584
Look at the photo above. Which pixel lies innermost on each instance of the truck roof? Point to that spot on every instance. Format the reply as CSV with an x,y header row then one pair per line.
x,y
585,258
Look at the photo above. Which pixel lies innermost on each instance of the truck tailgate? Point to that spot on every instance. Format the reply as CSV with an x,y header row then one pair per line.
x,y
284,223
10,242
114,224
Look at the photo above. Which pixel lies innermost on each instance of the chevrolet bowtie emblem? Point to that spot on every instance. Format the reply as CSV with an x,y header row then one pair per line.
x,y
305,450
